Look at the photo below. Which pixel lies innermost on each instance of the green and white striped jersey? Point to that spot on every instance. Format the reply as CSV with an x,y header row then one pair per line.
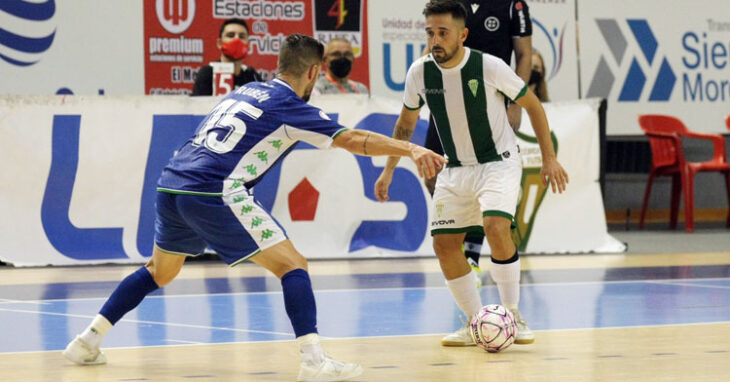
x,y
467,104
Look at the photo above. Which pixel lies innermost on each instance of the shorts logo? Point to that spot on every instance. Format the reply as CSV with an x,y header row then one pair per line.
x,y
175,16
442,222
439,208
491,23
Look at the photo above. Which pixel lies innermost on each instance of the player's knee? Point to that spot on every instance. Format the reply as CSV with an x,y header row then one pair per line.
x,y
496,227
290,263
161,276
442,246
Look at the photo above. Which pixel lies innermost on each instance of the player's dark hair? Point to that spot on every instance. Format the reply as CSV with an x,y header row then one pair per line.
x,y
233,21
442,7
298,53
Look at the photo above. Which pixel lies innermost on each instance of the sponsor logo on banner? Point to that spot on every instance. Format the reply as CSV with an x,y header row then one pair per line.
x,y
339,19
691,69
175,15
180,35
553,58
633,85
27,30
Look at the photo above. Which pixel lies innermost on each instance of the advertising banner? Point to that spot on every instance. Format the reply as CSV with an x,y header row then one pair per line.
x,y
84,190
657,57
398,37
180,35
71,47
553,36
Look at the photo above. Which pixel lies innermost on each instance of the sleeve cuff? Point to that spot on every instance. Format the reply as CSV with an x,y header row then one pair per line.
x,y
521,93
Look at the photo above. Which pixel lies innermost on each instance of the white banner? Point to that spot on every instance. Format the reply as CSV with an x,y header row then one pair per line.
x,y
653,57
553,35
79,182
71,46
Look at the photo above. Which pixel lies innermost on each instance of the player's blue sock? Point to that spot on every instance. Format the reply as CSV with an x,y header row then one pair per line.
x,y
299,302
130,292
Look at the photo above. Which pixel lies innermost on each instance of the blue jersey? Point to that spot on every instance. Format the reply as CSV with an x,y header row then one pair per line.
x,y
243,137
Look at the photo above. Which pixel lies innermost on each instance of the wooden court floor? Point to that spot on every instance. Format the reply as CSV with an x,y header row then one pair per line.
x,y
691,351
667,353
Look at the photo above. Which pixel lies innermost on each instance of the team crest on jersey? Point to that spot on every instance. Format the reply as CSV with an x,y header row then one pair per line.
x,y
491,23
473,86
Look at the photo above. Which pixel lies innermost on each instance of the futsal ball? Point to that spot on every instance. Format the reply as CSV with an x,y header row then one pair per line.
x,y
493,328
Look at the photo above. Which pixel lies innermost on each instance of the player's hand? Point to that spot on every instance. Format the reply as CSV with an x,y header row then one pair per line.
x,y
382,185
514,116
554,173
427,161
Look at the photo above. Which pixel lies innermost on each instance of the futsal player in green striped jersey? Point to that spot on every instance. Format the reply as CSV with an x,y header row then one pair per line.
x,y
465,90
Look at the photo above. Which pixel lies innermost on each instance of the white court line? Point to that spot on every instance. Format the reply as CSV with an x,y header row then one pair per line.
x,y
185,342
151,322
376,289
689,284
8,301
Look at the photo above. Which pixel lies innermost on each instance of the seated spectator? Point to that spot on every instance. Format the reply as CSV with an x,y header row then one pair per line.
x,y
339,59
233,43
537,82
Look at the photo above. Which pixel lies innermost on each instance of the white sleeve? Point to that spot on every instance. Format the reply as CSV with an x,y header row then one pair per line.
x,y
503,78
411,98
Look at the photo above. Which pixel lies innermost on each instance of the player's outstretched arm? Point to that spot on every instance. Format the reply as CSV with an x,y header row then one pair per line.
x,y
551,170
362,142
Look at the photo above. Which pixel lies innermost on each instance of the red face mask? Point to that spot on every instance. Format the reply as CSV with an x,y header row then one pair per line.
x,y
236,49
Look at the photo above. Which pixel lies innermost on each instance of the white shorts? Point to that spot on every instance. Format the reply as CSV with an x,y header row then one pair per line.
x,y
464,195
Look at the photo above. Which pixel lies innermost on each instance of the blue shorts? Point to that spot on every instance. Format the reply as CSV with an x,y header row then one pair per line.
x,y
235,226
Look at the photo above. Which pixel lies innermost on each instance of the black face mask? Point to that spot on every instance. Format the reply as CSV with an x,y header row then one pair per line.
x,y
535,77
340,67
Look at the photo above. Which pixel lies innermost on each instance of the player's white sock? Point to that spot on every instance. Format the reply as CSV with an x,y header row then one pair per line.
x,y
466,296
310,348
96,331
507,277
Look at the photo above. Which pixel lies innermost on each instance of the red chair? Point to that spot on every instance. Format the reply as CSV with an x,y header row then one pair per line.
x,y
665,135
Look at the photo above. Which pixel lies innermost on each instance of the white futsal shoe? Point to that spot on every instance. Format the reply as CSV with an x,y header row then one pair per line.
x,y
461,337
79,352
524,334
328,370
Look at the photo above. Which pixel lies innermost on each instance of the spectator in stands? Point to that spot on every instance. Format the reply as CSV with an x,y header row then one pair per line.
x,y
233,44
537,82
339,60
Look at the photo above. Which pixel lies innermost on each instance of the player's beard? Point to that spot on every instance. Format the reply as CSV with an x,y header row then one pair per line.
x,y
308,91
445,56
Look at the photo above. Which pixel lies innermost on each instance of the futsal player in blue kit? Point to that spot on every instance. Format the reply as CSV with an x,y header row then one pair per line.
x,y
204,199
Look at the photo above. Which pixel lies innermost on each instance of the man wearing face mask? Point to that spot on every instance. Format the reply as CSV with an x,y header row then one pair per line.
x,y
336,80
233,44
